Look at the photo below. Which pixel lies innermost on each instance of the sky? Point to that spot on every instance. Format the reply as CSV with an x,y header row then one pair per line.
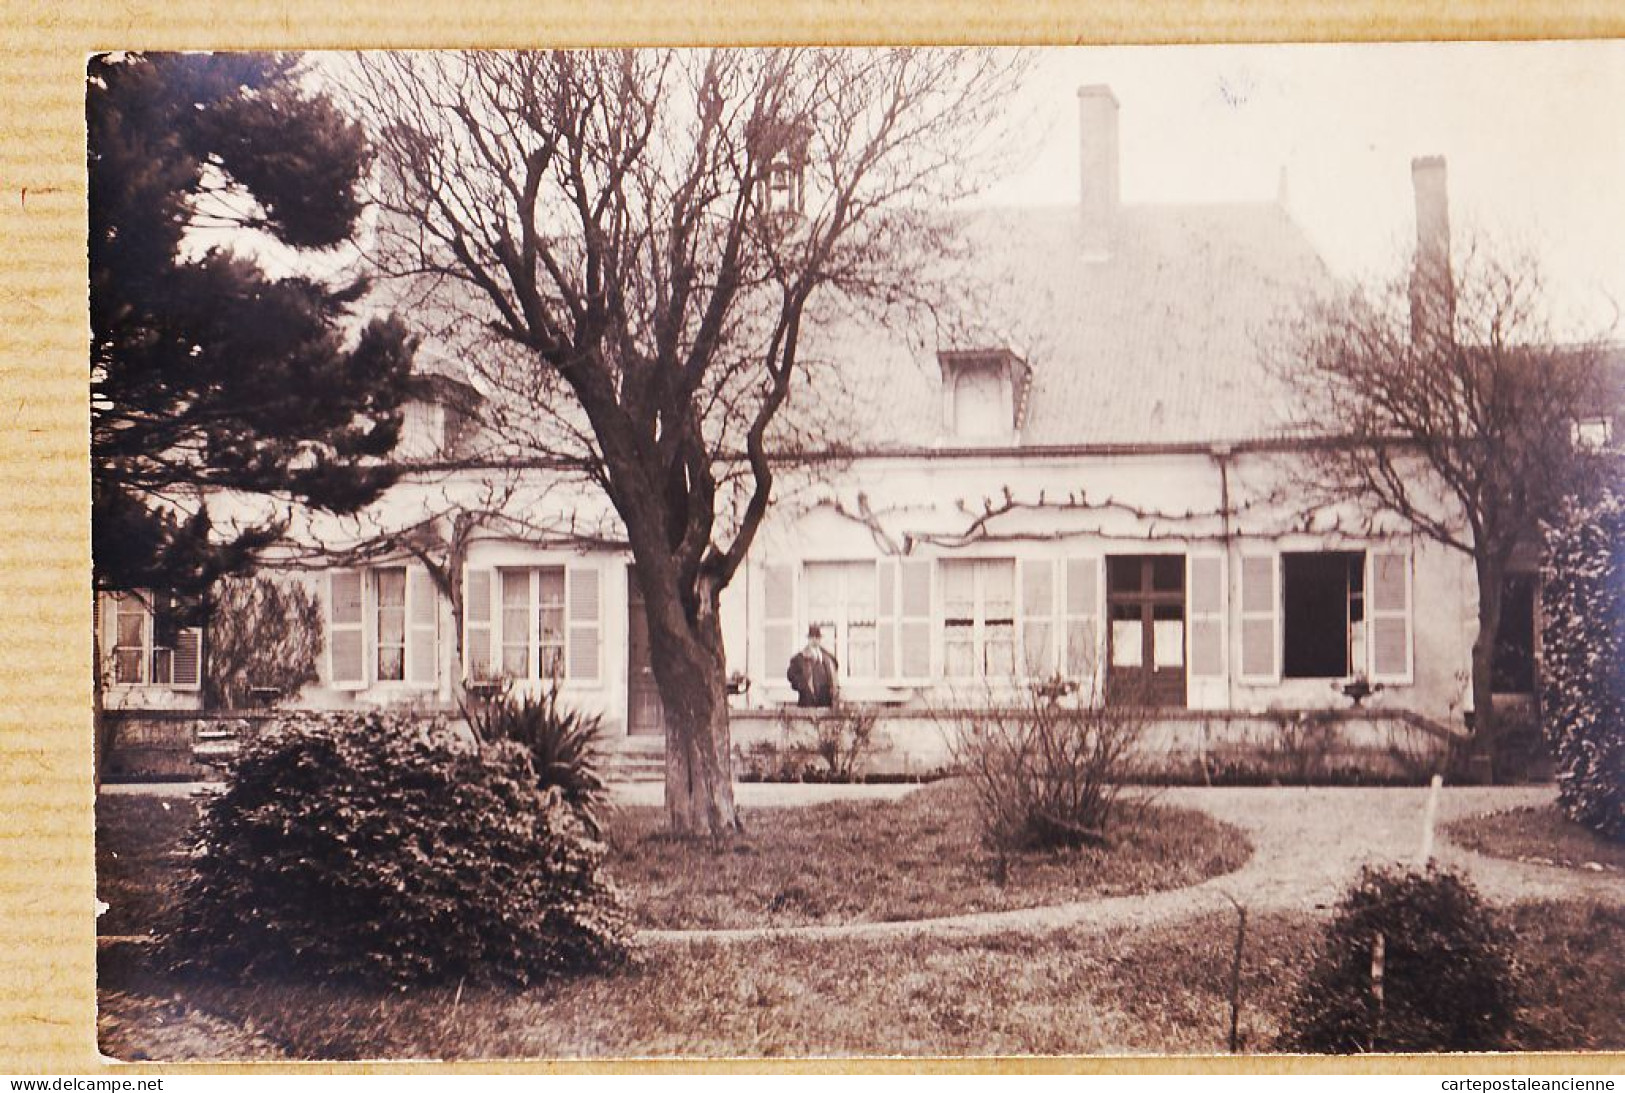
x,y
1533,133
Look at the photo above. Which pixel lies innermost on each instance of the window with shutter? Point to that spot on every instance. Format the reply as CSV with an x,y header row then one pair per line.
x,y
423,638
778,619
1205,587
1082,620
1038,618
1389,610
1260,612
586,611
347,665
914,619
477,652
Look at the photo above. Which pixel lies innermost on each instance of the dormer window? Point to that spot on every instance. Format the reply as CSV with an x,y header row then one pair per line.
x,y
783,189
984,395
423,431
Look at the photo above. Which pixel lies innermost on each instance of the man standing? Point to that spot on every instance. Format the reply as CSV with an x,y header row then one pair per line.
x,y
813,672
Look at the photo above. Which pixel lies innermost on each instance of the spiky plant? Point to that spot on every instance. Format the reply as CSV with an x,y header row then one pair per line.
x,y
564,746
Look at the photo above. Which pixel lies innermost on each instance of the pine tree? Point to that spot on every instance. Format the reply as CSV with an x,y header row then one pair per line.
x,y
209,374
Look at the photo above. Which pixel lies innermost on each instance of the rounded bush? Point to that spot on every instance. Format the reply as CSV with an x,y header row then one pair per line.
x,y
1450,982
1582,677
365,847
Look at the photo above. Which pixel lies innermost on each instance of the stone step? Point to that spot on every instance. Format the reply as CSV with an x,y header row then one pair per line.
x,y
639,765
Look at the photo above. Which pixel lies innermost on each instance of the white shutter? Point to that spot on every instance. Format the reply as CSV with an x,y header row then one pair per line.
x,y
187,665
1260,618
346,646
478,663
1038,618
583,614
886,620
778,620
422,627
1083,620
1388,600
914,618
1205,589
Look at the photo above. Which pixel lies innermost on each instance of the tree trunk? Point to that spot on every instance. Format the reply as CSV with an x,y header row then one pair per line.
x,y
690,670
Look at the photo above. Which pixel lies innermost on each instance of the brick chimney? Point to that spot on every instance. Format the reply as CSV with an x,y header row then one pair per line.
x,y
1097,161
1433,303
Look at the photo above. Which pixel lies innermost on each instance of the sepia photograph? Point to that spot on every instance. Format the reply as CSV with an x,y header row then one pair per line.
x,y
809,553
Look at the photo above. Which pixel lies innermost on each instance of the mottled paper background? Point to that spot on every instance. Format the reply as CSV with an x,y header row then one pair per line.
x,y
47,932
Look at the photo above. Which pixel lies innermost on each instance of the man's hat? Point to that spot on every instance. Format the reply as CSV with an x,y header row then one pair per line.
x,y
813,631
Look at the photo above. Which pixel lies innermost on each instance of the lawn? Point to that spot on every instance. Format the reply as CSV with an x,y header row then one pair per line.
x,y
1542,836
1158,990
139,846
916,857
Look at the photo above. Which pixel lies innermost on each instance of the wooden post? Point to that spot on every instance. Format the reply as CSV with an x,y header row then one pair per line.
x,y
1235,980
1235,972
1428,816
1379,954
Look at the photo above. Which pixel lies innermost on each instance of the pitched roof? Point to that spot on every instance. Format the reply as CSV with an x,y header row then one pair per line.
x,y
1162,342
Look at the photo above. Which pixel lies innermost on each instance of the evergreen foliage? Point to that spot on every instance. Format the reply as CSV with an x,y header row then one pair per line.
x,y
1449,979
360,847
207,373
1582,671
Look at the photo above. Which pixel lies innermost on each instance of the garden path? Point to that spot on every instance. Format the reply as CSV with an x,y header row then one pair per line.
x,y
1308,844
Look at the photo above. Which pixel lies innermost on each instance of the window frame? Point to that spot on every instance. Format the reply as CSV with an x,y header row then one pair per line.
x,y
980,620
147,606
1356,634
863,569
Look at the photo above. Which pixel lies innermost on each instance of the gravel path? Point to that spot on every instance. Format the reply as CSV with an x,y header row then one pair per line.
x,y
1308,843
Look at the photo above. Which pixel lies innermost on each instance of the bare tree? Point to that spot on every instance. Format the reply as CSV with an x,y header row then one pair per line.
x,y
633,246
1450,396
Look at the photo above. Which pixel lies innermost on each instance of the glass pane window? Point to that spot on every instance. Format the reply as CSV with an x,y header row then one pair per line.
x,y
550,622
391,624
515,623
129,647
841,600
533,619
979,624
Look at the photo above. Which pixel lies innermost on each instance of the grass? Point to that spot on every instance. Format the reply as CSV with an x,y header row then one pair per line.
x,y
1161,989
1540,835
139,846
916,857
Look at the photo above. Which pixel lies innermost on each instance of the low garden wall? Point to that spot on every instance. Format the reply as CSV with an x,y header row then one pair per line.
x,y
1353,746
174,745
1356,746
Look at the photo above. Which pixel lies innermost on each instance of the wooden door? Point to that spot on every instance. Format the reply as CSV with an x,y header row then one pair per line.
x,y
1145,654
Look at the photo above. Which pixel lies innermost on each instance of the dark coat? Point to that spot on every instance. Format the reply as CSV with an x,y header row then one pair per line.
x,y
813,677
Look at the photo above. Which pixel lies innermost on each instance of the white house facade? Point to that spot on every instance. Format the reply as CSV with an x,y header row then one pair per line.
x,y
1101,500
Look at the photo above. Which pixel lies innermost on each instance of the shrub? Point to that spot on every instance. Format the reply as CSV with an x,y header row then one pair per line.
x,y
564,746
1449,984
262,634
826,746
1582,677
1046,774
363,847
